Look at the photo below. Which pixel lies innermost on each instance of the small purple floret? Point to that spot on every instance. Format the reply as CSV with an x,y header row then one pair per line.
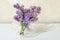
x,y
16,18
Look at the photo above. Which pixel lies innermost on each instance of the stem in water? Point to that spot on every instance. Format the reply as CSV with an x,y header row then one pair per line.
x,y
22,28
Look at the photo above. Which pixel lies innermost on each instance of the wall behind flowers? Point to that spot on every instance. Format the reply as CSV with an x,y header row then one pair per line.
x,y
50,10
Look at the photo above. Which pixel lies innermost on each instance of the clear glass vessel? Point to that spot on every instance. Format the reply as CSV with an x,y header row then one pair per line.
x,y
33,30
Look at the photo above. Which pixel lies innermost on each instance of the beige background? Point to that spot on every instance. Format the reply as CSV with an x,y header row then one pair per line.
x,y
50,10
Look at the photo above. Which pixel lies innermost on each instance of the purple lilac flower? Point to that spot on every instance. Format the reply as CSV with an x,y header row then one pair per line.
x,y
26,10
26,20
33,19
27,15
16,18
33,7
19,13
36,9
17,6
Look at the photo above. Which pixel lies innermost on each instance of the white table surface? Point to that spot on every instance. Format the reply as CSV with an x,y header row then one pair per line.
x,y
7,32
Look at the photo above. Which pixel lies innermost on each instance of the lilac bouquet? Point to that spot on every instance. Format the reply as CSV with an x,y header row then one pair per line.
x,y
26,16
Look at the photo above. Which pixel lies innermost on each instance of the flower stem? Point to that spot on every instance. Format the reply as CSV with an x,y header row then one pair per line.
x,y
22,28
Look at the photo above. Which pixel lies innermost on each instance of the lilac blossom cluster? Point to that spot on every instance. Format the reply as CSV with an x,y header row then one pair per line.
x,y
26,15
